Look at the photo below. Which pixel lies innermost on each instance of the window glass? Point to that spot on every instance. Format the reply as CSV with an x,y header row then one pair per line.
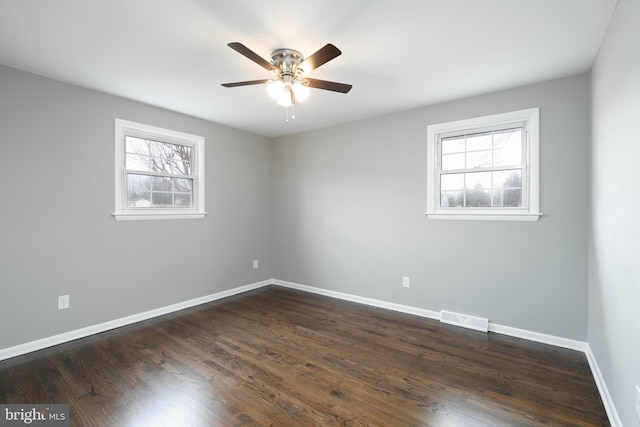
x,y
159,173
486,167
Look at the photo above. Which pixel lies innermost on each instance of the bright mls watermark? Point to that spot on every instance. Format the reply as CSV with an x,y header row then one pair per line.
x,y
36,415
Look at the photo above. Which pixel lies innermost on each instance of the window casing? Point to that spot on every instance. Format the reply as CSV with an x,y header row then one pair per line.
x,y
159,173
485,168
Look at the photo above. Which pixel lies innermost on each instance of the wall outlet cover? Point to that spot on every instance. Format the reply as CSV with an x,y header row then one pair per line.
x,y
63,302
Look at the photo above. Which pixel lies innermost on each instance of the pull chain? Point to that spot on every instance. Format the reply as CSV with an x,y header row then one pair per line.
x,y
293,113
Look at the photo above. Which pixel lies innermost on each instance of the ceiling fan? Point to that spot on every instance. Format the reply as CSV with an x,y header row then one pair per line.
x,y
289,86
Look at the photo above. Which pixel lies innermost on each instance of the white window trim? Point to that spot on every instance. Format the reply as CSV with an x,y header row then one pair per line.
x,y
532,212
122,213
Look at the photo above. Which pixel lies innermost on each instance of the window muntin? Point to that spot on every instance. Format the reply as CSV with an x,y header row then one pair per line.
x,y
482,169
159,173
485,168
501,189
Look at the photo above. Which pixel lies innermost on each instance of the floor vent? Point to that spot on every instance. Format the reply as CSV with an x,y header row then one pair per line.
x,y
471,322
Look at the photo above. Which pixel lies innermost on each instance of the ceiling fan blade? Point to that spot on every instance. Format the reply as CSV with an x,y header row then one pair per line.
x,y
243,50
247,83
322,56
333,86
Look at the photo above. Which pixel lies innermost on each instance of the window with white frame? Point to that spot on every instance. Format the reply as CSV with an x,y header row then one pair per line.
x,y
485,168
159,173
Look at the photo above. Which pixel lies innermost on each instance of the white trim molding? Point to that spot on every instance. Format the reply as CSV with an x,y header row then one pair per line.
x,y
32,346
584,347
493,327
144,216
122,212
538,337
362,300
435,315
466,216
529,120
607,400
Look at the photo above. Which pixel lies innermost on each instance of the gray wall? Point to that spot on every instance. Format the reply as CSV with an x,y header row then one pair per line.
x,y
347,203
57,235
614,240
340,208
350,203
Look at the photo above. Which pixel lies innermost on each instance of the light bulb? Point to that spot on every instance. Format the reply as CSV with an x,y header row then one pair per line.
x,y
301,91
275,89
285,98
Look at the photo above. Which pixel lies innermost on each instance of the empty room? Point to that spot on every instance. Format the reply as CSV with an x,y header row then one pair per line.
x,y
356,213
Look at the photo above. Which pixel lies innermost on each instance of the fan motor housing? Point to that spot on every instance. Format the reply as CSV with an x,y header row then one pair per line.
x,y
286,60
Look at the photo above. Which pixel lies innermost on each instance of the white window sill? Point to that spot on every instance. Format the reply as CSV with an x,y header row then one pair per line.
x,y
142,216
466,216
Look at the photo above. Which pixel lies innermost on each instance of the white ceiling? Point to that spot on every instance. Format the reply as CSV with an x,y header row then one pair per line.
x,y
397,54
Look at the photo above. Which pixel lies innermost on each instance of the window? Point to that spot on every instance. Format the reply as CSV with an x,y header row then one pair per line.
x,y
485,168
159,173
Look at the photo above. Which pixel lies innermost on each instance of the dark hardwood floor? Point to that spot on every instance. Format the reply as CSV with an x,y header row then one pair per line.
x,y
279,357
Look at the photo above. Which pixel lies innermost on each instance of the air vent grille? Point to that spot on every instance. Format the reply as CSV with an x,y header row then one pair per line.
x,y
464,320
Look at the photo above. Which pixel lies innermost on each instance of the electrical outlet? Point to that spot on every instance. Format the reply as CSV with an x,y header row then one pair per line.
x,y
406,282
255,263
63,302
638,401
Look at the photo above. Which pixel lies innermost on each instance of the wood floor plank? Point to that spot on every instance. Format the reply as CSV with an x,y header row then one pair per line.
x,y
280,357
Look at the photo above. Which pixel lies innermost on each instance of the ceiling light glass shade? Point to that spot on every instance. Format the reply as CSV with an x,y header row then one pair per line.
x,y
285,98
286,94
281,92
301,91
275,89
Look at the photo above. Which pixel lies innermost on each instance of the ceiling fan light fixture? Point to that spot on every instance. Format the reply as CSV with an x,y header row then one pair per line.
x,y
289,87
286,97
301,91
286,94
275,88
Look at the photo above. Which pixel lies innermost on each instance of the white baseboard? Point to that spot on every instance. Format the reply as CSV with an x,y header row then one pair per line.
x,y
29,347
362,300
607,401
538,337
430,314
493,327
